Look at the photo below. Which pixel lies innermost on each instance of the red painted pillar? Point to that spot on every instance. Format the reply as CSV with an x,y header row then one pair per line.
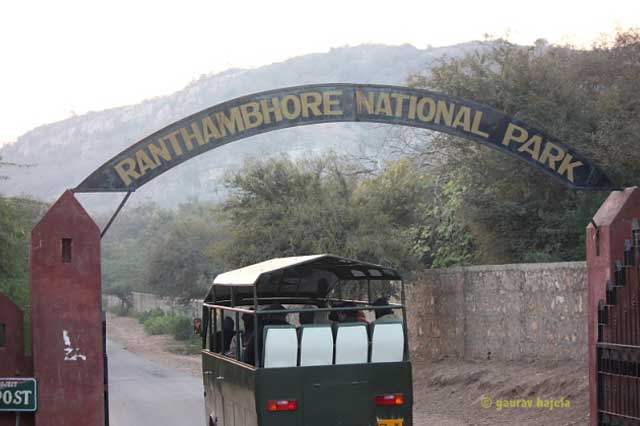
x,y
13,361
66,315
605,245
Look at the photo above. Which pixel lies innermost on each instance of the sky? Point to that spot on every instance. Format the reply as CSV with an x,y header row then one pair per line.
x,y
62,58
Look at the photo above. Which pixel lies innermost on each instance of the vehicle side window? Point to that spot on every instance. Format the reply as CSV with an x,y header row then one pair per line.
x,y
214,325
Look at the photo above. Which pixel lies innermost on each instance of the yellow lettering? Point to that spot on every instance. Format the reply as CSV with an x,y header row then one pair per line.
x,y
532,146
144,162
463,118
311,102
445,111
384,105
175,143
475,127
399,102
210,130
432,109
251,115
514,133
188,138
365,102
328,103
294,101
551,155
232,123
159,152
267,110
126,169
412,107
566,167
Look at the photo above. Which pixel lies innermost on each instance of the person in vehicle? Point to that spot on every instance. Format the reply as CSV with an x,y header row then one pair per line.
x,y
263,321
361,317
247,320
307,317
344,316
228,325
384,315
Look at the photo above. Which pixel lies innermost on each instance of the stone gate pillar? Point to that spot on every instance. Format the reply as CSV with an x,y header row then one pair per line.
x,y
66,316
606,236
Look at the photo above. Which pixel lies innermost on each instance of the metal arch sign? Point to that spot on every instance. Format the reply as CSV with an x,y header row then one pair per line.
x,y
328,103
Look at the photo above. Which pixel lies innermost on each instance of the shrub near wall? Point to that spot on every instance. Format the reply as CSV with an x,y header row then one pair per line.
x,y
157,322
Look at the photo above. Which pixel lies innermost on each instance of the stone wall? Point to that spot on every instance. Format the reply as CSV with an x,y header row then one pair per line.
x,y
508,312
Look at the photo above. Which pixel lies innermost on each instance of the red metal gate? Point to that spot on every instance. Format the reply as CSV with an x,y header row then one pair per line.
x,y
613,265
618,346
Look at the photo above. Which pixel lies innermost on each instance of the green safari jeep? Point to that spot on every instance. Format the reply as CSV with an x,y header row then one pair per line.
x,y
291,342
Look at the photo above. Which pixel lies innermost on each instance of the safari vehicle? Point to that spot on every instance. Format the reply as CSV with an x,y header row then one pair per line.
x,y
300,372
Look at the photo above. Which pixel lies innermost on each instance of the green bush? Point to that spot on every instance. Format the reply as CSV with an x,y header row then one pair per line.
x,y
193,346
182,328
153,313
158,325
156,322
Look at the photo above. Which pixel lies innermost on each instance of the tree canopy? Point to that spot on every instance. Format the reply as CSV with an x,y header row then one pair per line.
x,y
162,251
280,207
585,98
17,217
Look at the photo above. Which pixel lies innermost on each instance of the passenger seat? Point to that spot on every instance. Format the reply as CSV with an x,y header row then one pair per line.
x,y
352,343
387,342
280,346
316,345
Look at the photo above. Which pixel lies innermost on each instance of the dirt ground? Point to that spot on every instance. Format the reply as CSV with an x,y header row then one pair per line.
x,y
446,393
129,333
451,393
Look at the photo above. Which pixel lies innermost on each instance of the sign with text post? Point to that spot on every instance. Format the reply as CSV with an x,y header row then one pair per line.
x,y
18,394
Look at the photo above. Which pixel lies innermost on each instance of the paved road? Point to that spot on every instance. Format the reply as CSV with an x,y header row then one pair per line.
x,y
142,393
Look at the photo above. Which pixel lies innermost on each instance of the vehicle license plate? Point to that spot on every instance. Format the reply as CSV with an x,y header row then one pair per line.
x,y
390,422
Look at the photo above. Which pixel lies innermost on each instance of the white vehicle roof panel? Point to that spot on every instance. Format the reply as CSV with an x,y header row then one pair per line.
x,y
249,275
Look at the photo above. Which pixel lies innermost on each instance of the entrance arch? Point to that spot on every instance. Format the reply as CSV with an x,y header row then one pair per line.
x,y
65,249
328,103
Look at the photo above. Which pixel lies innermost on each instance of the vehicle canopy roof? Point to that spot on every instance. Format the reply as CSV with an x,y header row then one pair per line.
x,y
311,276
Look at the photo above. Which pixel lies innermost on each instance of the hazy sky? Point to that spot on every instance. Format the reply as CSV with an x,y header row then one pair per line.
x,y
64,57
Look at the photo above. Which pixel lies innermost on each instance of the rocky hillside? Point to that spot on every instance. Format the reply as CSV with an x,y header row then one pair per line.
x,y
64,153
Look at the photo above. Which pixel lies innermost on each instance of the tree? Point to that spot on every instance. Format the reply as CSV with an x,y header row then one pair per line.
x,y
161,251
126,245
514,213
422,213
279,207
17,218
179,264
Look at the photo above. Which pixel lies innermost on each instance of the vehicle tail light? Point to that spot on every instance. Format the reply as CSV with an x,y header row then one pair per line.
x,y
390,399
282,405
